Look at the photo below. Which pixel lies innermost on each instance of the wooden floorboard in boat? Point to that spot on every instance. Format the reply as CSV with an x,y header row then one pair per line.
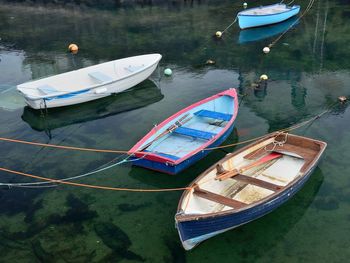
x,y
218,198
257,182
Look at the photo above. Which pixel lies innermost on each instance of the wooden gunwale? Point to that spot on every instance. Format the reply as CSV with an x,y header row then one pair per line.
x,y
294,142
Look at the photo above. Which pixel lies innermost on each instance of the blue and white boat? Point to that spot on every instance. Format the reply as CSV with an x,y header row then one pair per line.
x,y
184,138
89,83
246,185
266,15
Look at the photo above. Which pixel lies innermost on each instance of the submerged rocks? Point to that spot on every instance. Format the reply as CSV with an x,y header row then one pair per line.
x,y
131,207
117,240
327,203
40,253
78,212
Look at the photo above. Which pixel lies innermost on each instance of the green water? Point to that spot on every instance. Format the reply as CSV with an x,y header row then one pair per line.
x,y
308,69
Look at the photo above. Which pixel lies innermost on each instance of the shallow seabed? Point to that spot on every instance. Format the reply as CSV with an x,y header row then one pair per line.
x,y
308,69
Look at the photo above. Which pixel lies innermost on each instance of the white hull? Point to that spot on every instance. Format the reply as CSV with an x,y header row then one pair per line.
x,y
123,80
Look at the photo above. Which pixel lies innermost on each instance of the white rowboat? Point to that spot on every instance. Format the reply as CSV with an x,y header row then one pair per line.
x,y
89,83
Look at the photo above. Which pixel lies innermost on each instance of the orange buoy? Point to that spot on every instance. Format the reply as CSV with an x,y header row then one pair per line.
x,y
73,48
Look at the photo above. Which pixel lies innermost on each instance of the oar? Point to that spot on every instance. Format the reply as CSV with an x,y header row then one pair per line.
x,y
170,129
262,160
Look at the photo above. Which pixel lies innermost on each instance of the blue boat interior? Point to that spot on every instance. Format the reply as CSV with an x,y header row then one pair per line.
x,y
192,129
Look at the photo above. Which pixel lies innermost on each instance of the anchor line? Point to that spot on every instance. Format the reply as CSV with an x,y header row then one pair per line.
x,y
309,6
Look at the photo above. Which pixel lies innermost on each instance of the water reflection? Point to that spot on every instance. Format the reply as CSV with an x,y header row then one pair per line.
x,y
256,34
141,95
252,237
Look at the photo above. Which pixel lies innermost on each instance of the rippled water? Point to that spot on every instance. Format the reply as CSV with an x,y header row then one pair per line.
x,y
308,69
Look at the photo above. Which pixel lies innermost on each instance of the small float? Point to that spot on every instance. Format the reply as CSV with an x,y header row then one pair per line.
x,y
181,140
89,83
266,15
246,185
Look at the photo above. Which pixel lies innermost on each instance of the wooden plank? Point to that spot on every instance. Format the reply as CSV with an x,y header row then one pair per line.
x,y
218,198
256,154
257,182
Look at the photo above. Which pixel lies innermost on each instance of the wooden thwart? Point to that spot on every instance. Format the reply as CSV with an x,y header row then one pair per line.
x,y
218,198
222,174
257,182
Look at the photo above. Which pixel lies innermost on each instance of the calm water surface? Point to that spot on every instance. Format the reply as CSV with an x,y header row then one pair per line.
x,y
308,69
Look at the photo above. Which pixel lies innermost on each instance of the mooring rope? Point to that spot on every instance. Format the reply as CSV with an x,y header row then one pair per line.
x,y
66,180
93,186
293,127
234,21
297,20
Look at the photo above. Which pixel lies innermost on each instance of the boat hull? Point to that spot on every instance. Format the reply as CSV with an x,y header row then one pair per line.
x,y
196,231
93,93
260,33
249,21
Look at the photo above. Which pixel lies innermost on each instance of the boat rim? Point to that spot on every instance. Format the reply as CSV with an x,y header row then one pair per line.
x,y
291,9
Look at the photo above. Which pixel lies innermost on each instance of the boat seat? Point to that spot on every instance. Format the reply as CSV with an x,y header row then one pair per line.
x,y
214,115
257,182
218,198
100,77
132,69
47,89
194,133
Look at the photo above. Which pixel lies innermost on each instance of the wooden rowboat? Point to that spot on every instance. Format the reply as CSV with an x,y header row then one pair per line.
x,y
246,185
266,15
89,83
181,139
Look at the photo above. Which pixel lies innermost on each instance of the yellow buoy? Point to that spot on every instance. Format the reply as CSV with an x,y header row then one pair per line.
x,y
218,34
245,5
266,50
264,77
73,48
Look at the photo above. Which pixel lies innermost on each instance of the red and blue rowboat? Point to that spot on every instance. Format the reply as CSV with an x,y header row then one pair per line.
x,y
181,140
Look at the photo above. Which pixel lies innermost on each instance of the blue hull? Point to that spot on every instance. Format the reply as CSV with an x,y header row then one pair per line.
x,y
195,231
248,21
257,34
174,169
